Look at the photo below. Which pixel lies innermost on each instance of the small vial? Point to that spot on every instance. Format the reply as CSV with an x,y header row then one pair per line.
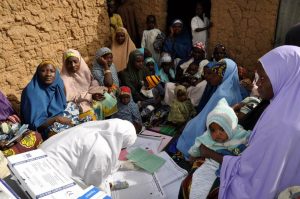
x,y
117,185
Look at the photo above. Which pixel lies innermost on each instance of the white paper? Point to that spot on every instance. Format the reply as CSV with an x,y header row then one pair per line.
x,y
142,185
148,143
170,171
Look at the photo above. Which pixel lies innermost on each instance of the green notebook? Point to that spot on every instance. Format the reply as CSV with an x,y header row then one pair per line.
x,y
145,160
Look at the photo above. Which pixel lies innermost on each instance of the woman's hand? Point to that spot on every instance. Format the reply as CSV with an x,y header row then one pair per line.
x,y
208,153
103,63
205,151
63,120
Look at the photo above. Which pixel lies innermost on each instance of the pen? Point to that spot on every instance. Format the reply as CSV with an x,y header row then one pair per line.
x,y
156,136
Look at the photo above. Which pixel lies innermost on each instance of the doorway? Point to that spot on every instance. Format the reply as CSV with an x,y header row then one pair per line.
x,y
185,10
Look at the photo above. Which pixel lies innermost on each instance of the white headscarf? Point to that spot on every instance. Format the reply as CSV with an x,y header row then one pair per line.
x,y
89,152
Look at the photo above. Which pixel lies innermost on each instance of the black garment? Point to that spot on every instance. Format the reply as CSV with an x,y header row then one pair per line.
x,y
292,37
250,119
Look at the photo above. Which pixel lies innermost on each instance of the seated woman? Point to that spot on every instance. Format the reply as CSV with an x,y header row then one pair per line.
x,y
121,47
135,73
43,100
225,77
104,70
195,91
270,163
78,80
89,153
10,123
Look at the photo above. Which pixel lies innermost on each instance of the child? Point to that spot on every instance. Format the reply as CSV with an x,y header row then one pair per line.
x,y
149,37
128,109
115,19
104,104
154,93
166,73
151,65
223,135
199,25
192,75
182,109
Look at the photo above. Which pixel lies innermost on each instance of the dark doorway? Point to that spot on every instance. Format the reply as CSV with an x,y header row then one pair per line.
x,y
185,10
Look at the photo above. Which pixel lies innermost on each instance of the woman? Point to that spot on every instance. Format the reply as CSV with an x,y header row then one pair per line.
x,y
121,47
104,70
194,92
43,100
178,44
78,80
134,75
227,82
89,153
271,161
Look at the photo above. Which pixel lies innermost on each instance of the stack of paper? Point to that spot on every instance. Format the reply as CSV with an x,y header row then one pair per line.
x,y
142,185
39,178
6,191
145,160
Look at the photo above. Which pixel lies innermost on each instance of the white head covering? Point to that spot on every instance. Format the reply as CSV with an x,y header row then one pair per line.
x,y
89,152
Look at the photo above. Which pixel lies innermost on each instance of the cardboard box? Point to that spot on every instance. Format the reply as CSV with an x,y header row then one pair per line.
x,y
39,178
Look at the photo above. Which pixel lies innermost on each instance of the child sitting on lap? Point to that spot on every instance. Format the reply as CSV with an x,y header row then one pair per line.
x,y
182,109
224,136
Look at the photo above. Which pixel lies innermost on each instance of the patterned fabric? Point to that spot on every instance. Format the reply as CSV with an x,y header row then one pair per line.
x,y
152,80
30,141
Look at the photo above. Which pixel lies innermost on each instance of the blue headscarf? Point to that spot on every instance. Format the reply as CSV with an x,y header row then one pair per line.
x,y
228,89
40,102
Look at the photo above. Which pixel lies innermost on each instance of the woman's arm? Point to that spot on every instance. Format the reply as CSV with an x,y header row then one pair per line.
x,y
52,120
108,80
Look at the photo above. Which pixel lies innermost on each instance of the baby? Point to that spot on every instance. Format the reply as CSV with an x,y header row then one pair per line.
x,y
224,136
104,103
182,109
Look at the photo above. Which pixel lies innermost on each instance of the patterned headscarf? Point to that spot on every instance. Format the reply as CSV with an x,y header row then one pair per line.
x,y
199,45
220,68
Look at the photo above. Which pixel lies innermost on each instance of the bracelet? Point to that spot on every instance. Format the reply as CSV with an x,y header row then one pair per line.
x,y
107,71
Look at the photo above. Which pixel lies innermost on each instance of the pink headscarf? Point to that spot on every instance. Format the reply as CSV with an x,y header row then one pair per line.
x,y
78,84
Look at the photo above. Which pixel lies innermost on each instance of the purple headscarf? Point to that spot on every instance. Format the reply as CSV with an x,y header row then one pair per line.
x,y
5,108
271,163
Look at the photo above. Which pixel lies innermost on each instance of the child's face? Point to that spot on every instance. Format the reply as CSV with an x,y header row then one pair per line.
x,y
217,133
181,96
139,62
166,66
212,78
150,23
192,69
125,99
150,66
120,37
198,54
98,97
